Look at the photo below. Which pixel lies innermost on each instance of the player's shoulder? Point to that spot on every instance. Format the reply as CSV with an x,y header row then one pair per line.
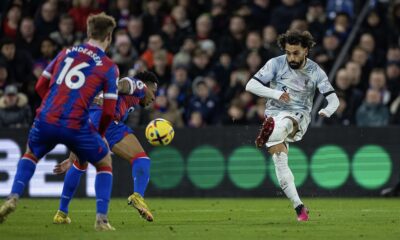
x,y
313,67
278,60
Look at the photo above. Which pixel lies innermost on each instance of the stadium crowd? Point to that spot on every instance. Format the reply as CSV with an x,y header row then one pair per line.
x,y
205,51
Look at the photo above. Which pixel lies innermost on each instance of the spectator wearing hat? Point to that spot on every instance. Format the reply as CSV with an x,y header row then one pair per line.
x,y
14,109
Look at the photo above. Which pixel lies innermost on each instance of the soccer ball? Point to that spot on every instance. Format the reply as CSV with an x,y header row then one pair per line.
x,y
159,132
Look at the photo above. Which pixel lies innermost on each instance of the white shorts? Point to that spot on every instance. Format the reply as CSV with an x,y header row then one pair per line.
x,y
302,119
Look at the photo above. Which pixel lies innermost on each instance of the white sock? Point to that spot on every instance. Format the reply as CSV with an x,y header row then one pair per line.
x,y
286,178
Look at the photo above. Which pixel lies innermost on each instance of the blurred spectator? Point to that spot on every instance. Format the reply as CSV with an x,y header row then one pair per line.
x,y
152,17
256,114
203,102
170,36
14,109
377,28
220,15
341,26
377,81
254,62
46,20
161,67
326,54
196,120
335,7
222,70
253,44
393,54
393,77
354,74
372,113
47,53
200,65
121,12
394,21
3,77
238,81
27,38
376,57
204,27
212,83
260,12
316,19
352,97
299,24
360,56
136,34
184,56
19,63
234,41
235,114
270,37
283,15
124,54
164,108
155,44
65,36
11,21
184,26
80,11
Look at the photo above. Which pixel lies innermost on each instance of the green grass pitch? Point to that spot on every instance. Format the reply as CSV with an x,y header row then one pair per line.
x,y
207,219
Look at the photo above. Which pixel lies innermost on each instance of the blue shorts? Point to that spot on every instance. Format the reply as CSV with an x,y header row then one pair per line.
x,y
86,142
115,132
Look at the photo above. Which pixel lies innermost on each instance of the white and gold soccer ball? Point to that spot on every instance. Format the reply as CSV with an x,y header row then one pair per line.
x,y
159,132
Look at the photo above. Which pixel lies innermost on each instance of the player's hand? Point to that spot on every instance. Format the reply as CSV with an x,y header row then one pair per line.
x,y
62,167
284,97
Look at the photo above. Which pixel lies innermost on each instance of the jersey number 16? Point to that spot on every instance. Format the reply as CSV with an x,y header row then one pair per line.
x,y
68,74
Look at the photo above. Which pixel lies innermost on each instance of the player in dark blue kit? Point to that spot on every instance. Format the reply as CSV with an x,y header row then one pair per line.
x,y
68,87
140,90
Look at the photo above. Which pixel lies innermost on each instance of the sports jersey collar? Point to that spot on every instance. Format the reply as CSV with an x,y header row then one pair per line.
x,y
95,45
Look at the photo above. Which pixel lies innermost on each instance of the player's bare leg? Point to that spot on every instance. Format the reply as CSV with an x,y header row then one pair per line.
x,y
10,204
130,149
103,187
272,132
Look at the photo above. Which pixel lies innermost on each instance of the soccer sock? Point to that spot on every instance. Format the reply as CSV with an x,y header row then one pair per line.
x,y
71,183
25,169
140,172
286,178
103,187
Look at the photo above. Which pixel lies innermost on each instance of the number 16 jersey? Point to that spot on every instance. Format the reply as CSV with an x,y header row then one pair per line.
x,y
75,76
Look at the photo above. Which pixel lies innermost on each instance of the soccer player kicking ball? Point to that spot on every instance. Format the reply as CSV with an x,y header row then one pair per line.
x,y
292,80
122,141
67,88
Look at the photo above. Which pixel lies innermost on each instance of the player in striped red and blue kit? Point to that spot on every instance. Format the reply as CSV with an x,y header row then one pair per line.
x,y
68,86
140,90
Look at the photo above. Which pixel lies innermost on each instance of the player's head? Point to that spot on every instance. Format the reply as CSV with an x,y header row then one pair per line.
x,y
100,28
296,45
151,81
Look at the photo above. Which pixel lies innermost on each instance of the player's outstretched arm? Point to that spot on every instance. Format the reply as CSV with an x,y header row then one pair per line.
x,y
261,90
333,104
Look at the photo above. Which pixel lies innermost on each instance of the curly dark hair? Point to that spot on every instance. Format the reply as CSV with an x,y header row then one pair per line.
x,y
295,37
146,77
